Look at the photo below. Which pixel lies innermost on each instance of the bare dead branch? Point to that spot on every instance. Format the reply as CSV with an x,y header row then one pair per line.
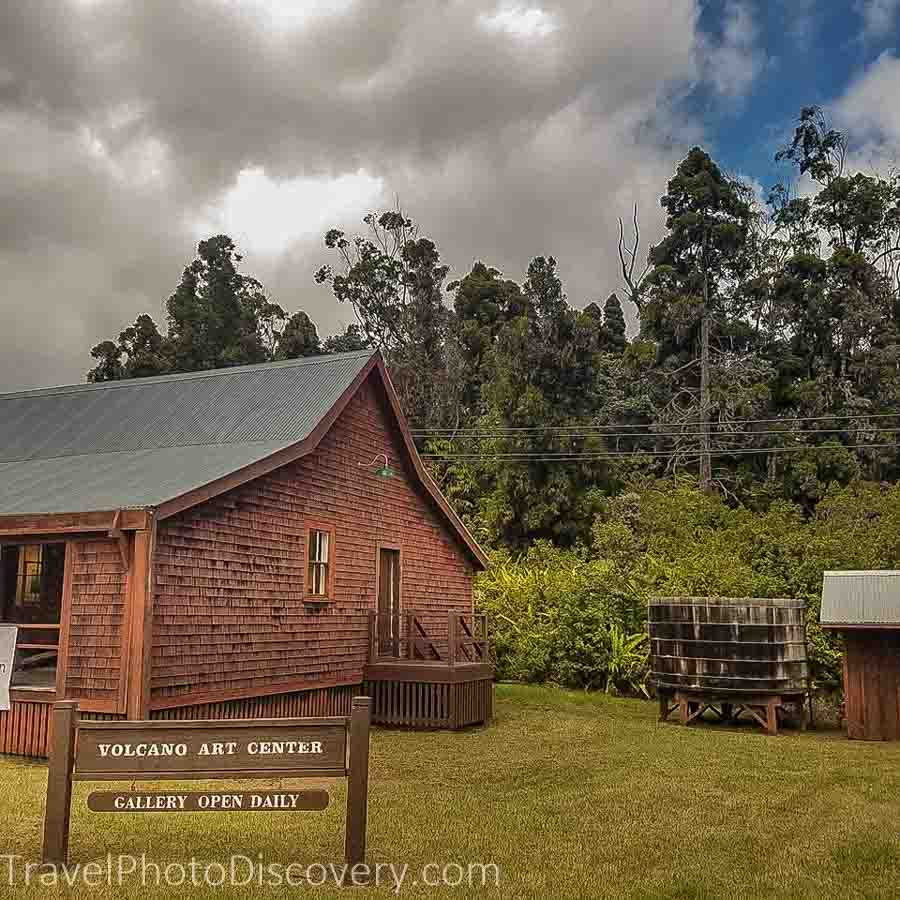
x,y
628,253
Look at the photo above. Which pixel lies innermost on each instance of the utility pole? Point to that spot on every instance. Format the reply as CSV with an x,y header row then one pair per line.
x,y
705,459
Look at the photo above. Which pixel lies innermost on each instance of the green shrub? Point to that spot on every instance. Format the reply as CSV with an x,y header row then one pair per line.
x,y
577,617
552,613
626,664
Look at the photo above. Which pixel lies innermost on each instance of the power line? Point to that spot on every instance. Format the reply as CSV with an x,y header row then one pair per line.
x,y
681,434
639,454
473,430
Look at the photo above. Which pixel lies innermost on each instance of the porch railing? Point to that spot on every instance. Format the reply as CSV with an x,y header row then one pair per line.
x,y
415,637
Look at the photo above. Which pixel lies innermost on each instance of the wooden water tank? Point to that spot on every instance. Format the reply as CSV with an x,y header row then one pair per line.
x,y
725,646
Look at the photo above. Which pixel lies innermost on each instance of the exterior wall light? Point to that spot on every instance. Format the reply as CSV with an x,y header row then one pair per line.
x,y
384,471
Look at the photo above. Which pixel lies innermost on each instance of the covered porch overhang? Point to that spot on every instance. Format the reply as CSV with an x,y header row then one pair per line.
x,y
36,589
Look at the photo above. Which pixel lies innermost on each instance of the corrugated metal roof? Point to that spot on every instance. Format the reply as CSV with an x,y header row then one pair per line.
x,y
143,441
861,597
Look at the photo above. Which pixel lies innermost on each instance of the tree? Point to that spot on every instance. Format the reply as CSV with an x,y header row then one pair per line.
x,y
218,317
299,338
139,352
109,362
589,322
816,149
858,211
393,278
835,340
347,341
544,293
483,302
537,361
614,322
628,257
695,270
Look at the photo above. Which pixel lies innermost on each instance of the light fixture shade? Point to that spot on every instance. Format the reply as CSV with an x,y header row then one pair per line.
x,y
385,472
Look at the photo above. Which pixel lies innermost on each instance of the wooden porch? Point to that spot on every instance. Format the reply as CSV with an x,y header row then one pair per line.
x,y
425,672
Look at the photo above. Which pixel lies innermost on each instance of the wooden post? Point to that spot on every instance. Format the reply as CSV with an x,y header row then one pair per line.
x,y
663,706
452,638
410,636
373,637
59,782
137,695
772,704
358,781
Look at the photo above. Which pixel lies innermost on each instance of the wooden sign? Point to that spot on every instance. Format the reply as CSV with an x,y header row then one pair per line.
x,y
8,635
206,801
143,750
86,750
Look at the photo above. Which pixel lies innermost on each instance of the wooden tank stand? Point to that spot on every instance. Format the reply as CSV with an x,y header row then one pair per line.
x,y
691,706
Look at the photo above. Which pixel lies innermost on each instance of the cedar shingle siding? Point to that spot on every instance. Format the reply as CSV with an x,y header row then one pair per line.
x,y
228,611
98,607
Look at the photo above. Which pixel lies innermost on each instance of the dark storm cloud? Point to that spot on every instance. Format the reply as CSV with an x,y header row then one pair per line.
x,y
507,130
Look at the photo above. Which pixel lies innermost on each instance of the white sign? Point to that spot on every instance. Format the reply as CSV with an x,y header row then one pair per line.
x,y
7,655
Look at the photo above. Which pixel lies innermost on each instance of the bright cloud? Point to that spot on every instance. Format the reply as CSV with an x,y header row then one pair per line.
x,y
520,21
734,64
268,216
868,108
292,13
507,128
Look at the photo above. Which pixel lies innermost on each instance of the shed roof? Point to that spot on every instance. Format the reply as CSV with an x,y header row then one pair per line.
x,y
859,598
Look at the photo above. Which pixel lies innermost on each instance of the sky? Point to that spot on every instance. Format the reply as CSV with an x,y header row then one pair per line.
x,y
131,129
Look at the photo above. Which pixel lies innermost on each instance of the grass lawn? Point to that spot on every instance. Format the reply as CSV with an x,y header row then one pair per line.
x,y
570,795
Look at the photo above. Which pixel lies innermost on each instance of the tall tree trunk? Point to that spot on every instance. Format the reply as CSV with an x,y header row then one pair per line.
x,y
705,459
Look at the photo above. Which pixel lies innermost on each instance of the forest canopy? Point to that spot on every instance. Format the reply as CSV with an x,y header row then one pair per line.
x,y
764,358
741,440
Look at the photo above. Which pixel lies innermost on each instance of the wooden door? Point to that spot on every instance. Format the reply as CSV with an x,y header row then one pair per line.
x,y
389,601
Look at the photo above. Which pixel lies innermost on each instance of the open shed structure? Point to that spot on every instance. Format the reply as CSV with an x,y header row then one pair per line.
x,y
254,541
865,607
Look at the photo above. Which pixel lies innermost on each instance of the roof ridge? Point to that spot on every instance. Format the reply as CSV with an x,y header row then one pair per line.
x,y
297,362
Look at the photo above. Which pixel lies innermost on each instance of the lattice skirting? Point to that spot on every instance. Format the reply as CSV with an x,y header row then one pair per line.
x,y
329,701
25,728
412,704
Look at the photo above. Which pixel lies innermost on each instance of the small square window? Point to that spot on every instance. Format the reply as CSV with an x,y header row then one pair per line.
x,y
319,563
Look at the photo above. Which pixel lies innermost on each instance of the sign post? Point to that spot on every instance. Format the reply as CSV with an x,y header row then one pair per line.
x,y
59,782
358,781
86,750
8,635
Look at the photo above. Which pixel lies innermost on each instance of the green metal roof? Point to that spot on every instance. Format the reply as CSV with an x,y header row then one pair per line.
x,y
141,442
861,597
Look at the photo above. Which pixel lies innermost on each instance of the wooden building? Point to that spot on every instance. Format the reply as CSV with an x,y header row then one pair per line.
x,y
865,608
255,541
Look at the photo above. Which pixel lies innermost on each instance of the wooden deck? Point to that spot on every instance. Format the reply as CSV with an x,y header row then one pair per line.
x,y
424,670
429,678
